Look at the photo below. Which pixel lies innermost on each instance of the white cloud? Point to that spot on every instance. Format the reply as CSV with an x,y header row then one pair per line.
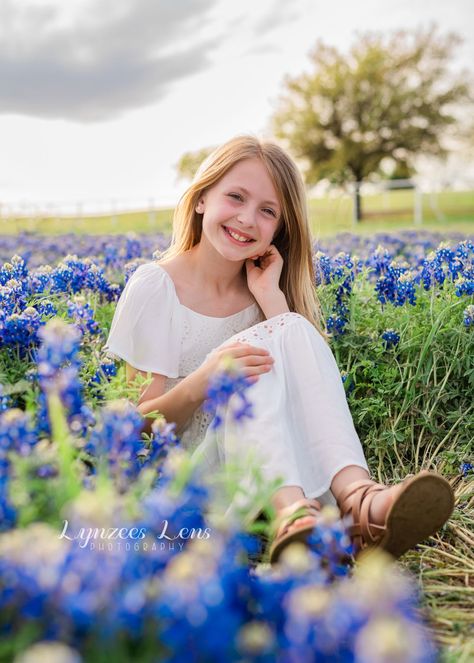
x,y
114,57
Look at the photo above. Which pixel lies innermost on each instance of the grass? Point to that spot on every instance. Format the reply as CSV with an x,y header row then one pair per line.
x,y
328,215
445,571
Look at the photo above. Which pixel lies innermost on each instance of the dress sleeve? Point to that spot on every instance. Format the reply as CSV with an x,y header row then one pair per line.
x,y
145,330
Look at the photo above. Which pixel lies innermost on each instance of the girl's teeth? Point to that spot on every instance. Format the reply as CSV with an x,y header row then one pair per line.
x,y
239,238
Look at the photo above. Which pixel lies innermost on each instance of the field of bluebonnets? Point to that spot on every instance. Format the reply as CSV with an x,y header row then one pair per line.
x,y
89,571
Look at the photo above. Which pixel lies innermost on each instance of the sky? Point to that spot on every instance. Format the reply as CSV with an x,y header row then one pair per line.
x,y
100,98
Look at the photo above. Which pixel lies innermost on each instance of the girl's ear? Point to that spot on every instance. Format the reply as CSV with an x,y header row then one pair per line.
x,y
200,206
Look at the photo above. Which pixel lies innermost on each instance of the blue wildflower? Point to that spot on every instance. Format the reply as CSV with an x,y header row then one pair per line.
x,y
20,328
83,315
391,338
58,371
224,384
468,314
466,468
336,324
164,439
46,308
116,441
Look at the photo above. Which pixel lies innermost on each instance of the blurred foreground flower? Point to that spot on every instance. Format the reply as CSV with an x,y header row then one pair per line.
x,y
58,373
224,384
48,652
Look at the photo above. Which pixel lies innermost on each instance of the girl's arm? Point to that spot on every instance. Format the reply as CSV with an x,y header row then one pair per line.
x,y
176,405
179,403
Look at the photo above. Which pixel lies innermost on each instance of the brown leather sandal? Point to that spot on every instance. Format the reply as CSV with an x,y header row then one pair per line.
x,y
423,505
282,536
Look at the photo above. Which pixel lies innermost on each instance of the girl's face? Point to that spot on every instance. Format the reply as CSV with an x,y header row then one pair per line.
x,y
241,211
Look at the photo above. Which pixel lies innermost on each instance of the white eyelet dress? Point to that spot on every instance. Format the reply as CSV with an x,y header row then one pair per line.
x,y
302,429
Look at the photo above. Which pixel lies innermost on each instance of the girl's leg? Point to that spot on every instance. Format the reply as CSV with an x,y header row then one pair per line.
x,y
303,432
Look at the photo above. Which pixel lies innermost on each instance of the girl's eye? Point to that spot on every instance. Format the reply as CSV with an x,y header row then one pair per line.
x,y
268,209
237,196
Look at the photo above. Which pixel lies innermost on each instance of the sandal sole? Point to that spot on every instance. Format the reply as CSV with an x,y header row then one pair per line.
x,y
301,535
424,505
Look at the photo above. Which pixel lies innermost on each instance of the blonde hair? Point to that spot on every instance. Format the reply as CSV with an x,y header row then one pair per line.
x,y
293,237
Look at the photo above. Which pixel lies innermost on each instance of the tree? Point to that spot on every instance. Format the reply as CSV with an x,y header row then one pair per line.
x,y
190,162
389,99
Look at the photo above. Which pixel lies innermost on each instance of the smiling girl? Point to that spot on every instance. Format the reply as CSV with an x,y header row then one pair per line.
x,y
238,280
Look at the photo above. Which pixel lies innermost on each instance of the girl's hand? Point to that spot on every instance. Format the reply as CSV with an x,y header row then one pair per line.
x,y
263,281
252,361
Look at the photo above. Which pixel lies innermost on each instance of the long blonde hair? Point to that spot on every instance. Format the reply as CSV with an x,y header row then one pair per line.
x,y
293,238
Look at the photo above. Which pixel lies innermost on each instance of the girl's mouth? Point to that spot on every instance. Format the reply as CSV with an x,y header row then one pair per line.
x,y
234,238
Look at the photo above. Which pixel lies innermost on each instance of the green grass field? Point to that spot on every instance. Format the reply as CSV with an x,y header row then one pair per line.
x,y
329,215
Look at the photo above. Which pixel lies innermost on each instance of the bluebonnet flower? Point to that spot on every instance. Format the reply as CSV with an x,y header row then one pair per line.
x,y
164,439
348,382
468,314
133,247
83,315
111,256
330,542
322,268
17,435
60,346
131,267
336,324
464,286
379,260
391,338
224,384
385,288
8,515
107,369
58,372
96,280
5,399
20,328
14,269
41,279
466,468
116,441
46,308
7,300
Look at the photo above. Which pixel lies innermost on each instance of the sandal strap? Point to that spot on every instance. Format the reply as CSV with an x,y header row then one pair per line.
x,y
362,531
299,509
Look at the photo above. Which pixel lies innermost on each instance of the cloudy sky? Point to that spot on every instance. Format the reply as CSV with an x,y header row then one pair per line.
x,y
100,98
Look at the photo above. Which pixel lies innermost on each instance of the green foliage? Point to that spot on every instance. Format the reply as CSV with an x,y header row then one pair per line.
x,y
412,405
387,98
190,162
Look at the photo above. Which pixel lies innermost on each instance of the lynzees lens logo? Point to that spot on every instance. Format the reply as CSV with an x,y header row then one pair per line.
x,y
116,537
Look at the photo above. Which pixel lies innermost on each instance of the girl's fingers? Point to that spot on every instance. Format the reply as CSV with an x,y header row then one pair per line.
x,y
254,360
256,370
244,350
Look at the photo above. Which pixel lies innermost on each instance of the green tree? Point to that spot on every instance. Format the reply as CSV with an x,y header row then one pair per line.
x,y
190,162
389,99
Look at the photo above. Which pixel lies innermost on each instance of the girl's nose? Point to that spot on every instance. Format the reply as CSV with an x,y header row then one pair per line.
x,y
246,217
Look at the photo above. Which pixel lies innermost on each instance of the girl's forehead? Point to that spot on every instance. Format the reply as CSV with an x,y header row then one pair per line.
x,y
252,175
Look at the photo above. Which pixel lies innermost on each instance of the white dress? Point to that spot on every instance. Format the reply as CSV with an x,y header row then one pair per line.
x,y
302,430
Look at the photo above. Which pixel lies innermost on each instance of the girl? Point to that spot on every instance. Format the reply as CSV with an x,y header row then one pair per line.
x,y
238,280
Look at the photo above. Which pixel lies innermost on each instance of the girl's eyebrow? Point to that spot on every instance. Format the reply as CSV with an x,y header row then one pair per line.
x,y
265,202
